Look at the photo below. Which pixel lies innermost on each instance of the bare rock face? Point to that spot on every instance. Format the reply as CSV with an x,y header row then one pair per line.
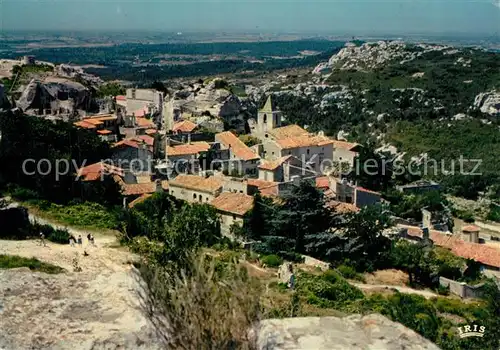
x,y
329,333
488,102
54,92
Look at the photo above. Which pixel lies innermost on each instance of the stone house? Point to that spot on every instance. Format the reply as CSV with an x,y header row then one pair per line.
x,y
185,157
242,159
284,169
105,125
184,127
232,208
138,100
314,150
134,154
138,192
463,245
193,188
345,152
348,192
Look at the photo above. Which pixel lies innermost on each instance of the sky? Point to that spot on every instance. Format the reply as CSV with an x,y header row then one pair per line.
x,y
300,16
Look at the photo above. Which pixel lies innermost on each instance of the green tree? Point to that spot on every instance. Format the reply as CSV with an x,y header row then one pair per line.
x,y
302,213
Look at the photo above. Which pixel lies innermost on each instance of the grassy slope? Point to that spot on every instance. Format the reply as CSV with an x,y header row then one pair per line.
x,y
12,262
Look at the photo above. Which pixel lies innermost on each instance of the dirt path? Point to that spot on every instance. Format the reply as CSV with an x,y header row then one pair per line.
x,y
365,287
97,308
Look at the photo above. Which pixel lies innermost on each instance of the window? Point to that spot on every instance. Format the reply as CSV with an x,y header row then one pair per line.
x,y
348,199
194,195
199,198
234,217
265,119
308,151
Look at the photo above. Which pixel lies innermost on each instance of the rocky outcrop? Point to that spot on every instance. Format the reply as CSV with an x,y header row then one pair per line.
x,y
375,54
58,95
198,101
488,102
14,221
330,333
75,72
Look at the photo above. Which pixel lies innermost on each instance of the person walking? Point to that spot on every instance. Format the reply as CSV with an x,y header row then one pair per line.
x,y
72,240
80,241
42,239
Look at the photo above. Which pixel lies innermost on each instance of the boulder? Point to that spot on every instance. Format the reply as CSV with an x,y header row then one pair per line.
x,y
14,221
329,333
285,271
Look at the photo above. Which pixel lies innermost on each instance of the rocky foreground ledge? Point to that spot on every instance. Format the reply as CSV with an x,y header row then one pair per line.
x,y
374,332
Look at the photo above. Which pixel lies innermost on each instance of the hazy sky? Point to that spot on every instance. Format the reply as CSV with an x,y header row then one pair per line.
x,y
345,16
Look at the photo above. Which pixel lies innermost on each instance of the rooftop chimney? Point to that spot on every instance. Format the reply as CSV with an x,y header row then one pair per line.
x,y
470,234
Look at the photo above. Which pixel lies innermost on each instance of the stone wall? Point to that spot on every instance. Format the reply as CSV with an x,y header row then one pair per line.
x,y
461,289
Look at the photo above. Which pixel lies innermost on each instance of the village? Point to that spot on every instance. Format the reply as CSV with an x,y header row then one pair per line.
x,y
197,169
161,149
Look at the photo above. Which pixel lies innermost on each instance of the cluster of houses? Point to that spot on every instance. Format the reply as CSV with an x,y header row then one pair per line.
x,y
156,149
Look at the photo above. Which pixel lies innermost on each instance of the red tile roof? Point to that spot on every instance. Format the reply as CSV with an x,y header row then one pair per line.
x,y
345,145
367,190
197,183
274,164
288,131
188,149
151,131
94,121
104,132
138,189
238,148
135,142
342,208
94,171
307,140
471,228
482,253
84,124
121,98
266,188
184,126
139,200
323,182
146,138
235,203
144,122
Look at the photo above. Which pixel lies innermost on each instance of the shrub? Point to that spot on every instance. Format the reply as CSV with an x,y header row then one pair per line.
x,y
55,235
201,307
494,213
291,256
327,290
59,236
12,262
442,290
350,273
271,260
